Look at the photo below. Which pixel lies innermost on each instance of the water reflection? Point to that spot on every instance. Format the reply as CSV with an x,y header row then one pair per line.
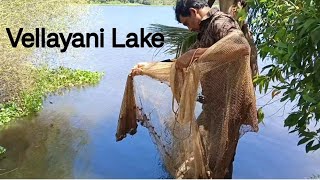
x,y
44,146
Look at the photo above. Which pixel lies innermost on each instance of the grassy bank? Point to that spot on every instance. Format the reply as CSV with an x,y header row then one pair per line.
x,y
48,81
22,85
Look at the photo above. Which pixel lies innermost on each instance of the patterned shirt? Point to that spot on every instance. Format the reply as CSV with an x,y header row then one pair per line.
x,y
213,27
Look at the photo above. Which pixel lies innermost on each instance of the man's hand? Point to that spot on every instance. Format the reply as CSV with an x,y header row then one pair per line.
x,y
137,69
184,60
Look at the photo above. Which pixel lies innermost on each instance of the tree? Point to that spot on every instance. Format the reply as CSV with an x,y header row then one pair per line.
x,y
288,33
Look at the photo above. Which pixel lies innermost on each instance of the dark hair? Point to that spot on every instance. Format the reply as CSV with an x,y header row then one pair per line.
x,y
183,6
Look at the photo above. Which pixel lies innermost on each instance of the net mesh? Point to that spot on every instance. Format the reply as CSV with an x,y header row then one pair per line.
x,y
194,141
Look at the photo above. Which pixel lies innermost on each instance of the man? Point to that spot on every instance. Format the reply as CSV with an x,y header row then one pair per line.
x,y
211,26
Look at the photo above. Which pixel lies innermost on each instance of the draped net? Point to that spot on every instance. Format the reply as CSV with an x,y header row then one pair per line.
x,y
194,141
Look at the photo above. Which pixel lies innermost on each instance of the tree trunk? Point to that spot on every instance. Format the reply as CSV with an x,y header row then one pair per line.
x,y
226,4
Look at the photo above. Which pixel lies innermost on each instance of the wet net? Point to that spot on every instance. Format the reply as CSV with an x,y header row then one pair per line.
x,y
196,140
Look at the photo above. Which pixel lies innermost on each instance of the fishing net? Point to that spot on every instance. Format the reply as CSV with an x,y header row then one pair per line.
x,y
195,140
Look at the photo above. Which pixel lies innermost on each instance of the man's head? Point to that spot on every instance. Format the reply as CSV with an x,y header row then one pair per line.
x,y
188,13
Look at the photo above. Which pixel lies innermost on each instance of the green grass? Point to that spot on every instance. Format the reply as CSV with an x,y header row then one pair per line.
x,y
48,81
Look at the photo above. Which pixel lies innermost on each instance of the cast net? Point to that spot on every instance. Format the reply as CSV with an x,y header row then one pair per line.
x,y
195,140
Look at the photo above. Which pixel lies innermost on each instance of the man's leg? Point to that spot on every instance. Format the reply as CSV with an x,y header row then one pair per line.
x,y
230,170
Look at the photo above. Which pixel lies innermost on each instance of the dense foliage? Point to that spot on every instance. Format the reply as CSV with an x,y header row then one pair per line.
x,y
288,38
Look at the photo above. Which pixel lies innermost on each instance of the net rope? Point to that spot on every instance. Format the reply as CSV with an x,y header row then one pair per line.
x,y
195,140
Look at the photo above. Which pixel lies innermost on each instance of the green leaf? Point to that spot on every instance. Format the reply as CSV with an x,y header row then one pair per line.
x,y
267,66
292,120
315,147
315,36
292,95
2,150
260,115
306,25
290,49
309,146
281,45
260,86
304,140
266,86
293,131
256,80
308,98
284,98
308,134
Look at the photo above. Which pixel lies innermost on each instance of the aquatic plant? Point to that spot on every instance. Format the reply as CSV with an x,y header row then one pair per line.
x,y
48,81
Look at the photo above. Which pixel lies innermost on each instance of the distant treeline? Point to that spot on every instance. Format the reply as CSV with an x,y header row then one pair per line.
x,y
145,2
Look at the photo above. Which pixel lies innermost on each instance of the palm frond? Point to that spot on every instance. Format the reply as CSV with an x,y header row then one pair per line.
x,y
177,40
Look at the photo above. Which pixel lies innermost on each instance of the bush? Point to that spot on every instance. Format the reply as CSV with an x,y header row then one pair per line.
x,y
288,33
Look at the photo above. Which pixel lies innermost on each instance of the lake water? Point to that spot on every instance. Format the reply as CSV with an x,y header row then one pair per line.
x,y
74,135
